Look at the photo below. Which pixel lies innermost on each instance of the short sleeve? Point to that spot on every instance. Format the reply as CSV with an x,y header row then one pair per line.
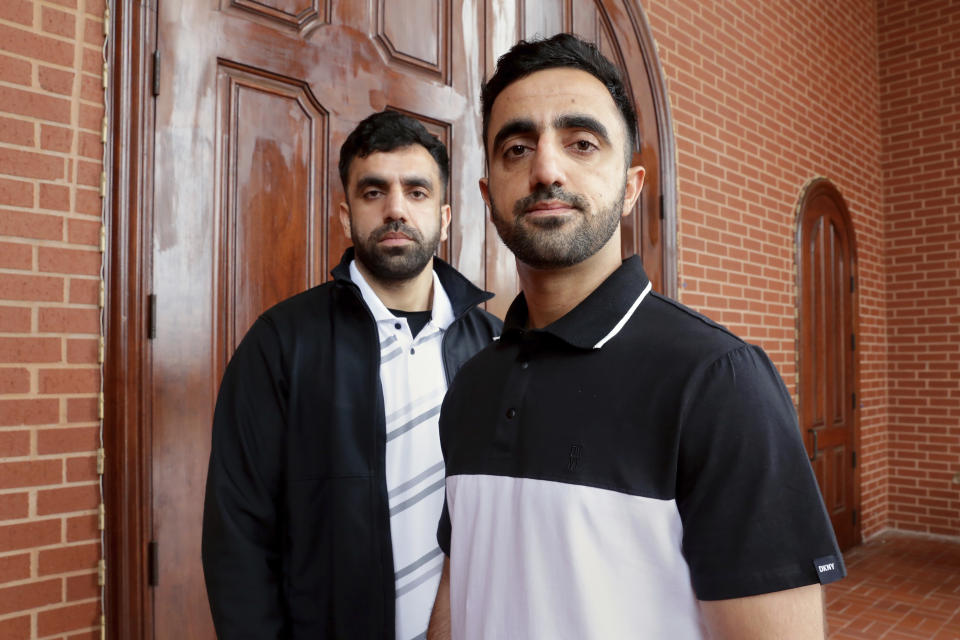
x,y
753,518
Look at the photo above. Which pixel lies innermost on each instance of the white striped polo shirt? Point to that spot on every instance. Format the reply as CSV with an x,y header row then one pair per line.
x,y
414,383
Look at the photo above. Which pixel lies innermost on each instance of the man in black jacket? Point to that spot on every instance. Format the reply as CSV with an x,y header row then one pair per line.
x,y
326,477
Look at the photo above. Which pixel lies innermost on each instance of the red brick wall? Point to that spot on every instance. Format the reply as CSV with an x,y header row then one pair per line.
x,y
920,118
764,97
51,106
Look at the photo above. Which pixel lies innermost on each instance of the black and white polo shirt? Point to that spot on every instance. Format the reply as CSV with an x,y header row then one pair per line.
x,y
606,472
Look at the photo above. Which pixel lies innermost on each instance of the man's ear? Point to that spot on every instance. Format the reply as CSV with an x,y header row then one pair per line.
x,y
344,212
484,184
632,188
444,221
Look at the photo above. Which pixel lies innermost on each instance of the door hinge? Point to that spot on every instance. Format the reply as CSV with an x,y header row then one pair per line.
x,y
853,516
853,286
151,316
853,397
853,459
156,73
661,206
152,564
853,342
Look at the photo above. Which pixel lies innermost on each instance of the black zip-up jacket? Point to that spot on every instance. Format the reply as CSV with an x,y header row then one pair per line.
x,y
296,523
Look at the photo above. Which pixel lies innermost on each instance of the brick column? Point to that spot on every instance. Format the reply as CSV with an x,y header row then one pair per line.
x,y
51,110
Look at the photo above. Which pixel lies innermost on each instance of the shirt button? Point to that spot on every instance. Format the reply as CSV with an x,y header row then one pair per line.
x,y
511,413
398,326
524,364
411,351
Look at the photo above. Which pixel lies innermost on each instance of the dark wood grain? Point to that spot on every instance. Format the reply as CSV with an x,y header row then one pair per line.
x,y
126,489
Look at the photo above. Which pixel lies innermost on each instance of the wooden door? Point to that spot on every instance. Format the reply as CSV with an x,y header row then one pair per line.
x,y
253,100
828,398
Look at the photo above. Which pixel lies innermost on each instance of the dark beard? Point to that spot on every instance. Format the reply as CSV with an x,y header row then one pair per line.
x,y
395,263
545,244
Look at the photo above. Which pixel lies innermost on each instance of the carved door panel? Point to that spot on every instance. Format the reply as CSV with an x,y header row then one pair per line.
x,y
255,99
828,400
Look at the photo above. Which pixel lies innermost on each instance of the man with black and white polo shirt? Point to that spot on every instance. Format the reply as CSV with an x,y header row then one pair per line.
x,y
326,475
618,466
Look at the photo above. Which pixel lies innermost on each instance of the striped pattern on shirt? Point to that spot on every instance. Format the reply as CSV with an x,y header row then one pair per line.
x,y
413,383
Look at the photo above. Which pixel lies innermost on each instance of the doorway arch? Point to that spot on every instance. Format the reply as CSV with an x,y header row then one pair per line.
x,y
828,409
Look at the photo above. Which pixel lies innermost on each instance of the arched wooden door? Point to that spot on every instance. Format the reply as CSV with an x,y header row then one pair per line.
x,y
829,409
252,100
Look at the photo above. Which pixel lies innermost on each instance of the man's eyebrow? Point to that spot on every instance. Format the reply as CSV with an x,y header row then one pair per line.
x,y
372,180
564,121
417,181
382,183
582,121
512,128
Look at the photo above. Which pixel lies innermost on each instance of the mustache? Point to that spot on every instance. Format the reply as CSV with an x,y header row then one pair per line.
x,y
553,192
397,226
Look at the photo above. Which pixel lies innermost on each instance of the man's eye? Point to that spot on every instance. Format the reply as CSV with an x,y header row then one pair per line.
x,y
372,193
418,194
584,145
515,151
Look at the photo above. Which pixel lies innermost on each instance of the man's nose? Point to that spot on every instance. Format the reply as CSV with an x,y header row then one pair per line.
x,y
547,166
395,205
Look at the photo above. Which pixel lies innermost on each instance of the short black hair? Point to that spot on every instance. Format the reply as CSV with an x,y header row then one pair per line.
x,y
560,51
388,131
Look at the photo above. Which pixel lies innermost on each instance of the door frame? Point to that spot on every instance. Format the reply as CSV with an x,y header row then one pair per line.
x,y
126,365
130,170
667,152
814,188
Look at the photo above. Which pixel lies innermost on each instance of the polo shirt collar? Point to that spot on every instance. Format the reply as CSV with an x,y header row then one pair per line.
x,y
441,310
598,317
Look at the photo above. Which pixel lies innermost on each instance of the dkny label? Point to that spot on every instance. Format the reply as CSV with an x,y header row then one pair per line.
x,y
828,569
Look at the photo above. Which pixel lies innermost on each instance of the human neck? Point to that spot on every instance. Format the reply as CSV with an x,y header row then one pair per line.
x,y
552,293
414,294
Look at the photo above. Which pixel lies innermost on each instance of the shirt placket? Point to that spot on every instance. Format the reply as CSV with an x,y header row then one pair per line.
x,y
511,412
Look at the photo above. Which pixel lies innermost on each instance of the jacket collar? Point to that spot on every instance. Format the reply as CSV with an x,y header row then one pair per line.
x,y
463,294
441,312
598,317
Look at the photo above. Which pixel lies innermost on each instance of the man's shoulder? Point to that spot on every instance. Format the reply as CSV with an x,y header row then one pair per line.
x,y
671,329
308,317
666,316
306,304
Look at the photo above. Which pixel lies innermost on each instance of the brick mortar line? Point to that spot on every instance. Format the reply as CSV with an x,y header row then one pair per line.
x,y
36,148
36,120
47,93
62,517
